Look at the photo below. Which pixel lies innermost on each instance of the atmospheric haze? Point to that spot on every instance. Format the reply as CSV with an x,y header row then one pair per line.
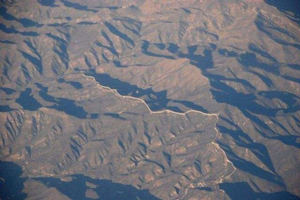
x,y
150,99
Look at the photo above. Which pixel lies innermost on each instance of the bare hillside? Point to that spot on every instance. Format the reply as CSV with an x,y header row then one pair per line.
x,y
156,99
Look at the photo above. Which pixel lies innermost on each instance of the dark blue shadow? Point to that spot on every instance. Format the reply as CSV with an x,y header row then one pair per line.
x,y
5,108
172,48
36,62
7,42
191,105
24,21
111,47
27,101
118,33
62,104
77,6
11,183
87,23
261,52
114,115
247,103
6,29
227,53
264,26
242,190
118,64
50,3
291,140
11,30
249,60
8,91
243,140
105,189
75,84
292,6
291,100
222,92
145,49
251,168
155,100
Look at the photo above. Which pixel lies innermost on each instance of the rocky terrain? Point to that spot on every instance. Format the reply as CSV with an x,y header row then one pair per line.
x,y
156,99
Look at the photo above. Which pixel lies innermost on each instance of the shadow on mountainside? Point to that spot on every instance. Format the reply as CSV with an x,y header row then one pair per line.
x,y
24,21
62,104
244,140
50,3
250,167
5,108
77,6
155,100
242,190
11,182
104,189
27,101
292,6
247,103
118,33
271,30
12,30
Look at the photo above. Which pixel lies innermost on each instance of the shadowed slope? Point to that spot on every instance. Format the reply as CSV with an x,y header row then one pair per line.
x,y
11,183
105,189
